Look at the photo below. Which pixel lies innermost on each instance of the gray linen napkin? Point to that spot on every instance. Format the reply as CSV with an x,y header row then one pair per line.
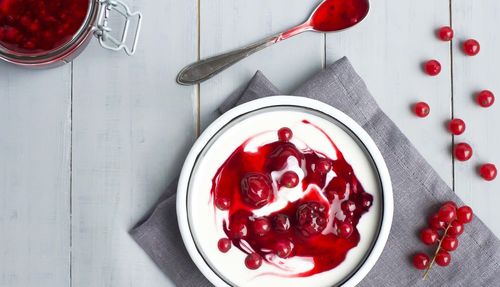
x,y
418,190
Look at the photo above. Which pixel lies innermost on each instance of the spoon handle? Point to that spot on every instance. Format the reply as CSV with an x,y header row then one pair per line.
x,y
207,68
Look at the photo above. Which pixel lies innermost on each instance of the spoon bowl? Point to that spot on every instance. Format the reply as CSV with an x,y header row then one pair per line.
x,y
328,16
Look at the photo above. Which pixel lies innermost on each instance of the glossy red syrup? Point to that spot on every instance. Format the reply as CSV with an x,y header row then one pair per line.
x,y
309,227
334,15
32,26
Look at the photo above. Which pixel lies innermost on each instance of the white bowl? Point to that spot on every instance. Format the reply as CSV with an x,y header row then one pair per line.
x,y
216,275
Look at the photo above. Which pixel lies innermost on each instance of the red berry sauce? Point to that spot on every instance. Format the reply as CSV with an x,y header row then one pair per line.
x,y
334,15
33,26
322,225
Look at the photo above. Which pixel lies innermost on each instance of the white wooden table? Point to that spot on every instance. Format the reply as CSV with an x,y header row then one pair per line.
x,y
87,148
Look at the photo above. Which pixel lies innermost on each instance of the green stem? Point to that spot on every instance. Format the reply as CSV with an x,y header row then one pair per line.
x,y
435,253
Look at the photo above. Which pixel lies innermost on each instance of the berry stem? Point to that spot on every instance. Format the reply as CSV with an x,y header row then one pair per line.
x,y
435,253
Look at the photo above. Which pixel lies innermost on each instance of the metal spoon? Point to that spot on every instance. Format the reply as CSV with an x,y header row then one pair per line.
x,y
329,16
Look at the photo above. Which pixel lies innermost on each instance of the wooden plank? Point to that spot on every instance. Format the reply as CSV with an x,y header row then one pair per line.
x,y
478,20
227,25
388,49
35,145
133,126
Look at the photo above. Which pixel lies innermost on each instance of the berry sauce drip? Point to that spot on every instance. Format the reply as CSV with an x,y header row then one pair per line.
x,y
334,15
320,225
33,26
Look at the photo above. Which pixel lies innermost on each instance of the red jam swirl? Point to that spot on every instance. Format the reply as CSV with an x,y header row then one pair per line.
x,y
321,225
32,26
334,15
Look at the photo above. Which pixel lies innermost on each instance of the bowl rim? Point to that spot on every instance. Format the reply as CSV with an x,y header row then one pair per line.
x,y
272,101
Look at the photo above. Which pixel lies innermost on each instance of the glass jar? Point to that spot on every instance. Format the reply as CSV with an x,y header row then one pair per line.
x,y
47,33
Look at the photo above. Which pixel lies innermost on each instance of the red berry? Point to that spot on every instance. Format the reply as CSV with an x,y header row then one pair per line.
x,y
485,98
471,47
238,230
445,33
283,248
311,218
432,67
464,214
261,226
436,223
488,171
253,261
348,206
422,109
366,200
256,189
323,166
345,230
421,261
456,228
447,213
449,243
456,126
429,236
224,245
462,151
223,203
451,203
285,134
443,258
289,179
281,222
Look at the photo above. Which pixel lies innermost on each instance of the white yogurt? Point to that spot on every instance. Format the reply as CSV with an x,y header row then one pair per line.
x,y
206,224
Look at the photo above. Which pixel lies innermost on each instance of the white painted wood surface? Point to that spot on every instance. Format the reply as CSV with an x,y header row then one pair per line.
x,y
87,148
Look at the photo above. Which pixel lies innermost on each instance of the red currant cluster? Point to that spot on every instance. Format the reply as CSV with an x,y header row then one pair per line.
x,y
462,151
444,228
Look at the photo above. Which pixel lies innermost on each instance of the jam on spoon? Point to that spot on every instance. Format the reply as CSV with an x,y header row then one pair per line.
x,y
329,16
34,26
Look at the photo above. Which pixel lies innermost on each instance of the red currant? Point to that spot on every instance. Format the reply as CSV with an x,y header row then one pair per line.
x,y
451,203
443,258
429,236
456,126
261,226
239,230
323,166
456,228
283,248
432,67
488,171
447,213
253,261
471,47
464,214
223,203
449,243
348,206
445,33
421,261
366,200
289,179
462,151
436,223
345,230
256,189
224,245
285,134
485,98
312,218
422,109
281,222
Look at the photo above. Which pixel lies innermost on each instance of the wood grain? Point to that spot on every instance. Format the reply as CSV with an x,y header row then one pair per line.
x,y
388,49
133,126
478,20
35,146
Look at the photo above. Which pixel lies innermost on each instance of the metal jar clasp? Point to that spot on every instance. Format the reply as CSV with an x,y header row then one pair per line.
x,y
103,29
